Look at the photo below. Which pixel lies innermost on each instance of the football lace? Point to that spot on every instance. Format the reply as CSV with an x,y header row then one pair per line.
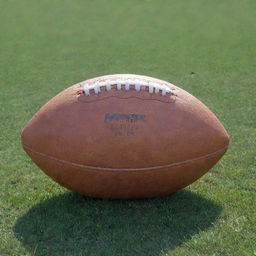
x,y
127,85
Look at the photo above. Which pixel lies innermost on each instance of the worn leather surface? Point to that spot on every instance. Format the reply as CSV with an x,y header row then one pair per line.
x,y
124,144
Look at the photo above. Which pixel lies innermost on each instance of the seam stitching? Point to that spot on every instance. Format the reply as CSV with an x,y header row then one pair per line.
x,y
126,169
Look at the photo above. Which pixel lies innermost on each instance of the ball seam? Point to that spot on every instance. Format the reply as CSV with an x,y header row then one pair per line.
x,y
127,169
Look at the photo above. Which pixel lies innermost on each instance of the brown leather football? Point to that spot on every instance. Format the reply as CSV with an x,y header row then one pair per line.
x,y
124,136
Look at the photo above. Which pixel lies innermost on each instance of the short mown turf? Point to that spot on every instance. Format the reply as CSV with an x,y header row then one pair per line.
x,y
206,47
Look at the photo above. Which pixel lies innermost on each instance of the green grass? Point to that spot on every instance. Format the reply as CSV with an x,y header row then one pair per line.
x,y
46,46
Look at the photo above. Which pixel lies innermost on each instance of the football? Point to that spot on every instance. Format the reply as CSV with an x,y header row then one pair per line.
x,y
124,136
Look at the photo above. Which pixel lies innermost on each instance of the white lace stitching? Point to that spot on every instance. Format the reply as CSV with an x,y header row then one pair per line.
x,y
117,84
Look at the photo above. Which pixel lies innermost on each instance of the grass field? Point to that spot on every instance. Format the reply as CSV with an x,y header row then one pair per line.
x,y
46,46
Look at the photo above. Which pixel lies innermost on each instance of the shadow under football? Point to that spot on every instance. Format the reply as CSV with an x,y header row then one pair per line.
x,y
70,224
